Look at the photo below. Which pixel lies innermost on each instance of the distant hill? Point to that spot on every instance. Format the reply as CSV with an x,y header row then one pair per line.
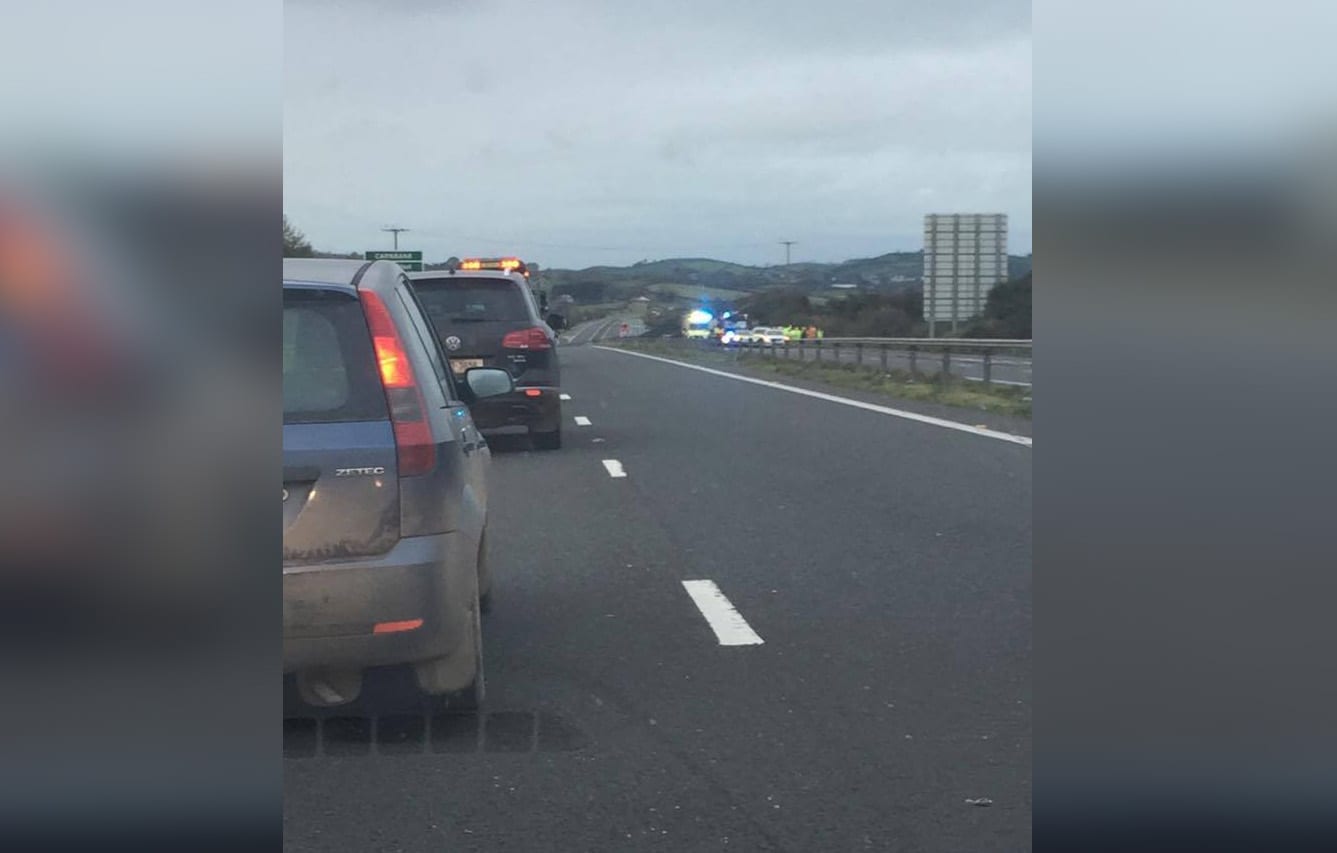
x,y
665,280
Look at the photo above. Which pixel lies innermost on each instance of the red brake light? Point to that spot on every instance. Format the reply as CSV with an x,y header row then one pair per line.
x,y
531,338
396,371
414,444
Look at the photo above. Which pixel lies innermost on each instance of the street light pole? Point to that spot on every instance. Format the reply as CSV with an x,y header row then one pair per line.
x,y
395,231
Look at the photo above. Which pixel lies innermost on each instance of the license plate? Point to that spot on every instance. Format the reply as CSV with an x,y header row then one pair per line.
x,y
460,365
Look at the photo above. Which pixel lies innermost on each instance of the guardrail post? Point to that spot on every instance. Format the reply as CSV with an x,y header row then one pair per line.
x,y
914,361
858,354
883,354
946,363
988,367
819,350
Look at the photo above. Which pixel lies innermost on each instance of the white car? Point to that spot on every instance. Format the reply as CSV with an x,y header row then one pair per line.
x,y
767,335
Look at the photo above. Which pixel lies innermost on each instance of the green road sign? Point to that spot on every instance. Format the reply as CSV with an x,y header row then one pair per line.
x,y
411,261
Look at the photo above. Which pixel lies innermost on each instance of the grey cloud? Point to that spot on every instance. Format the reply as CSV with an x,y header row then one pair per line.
x,y
595,124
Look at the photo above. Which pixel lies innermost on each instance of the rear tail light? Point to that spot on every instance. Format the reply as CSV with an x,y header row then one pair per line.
x,y
415,447
532,338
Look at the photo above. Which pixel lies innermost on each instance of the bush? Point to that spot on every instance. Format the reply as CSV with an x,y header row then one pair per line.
x,y
1007,314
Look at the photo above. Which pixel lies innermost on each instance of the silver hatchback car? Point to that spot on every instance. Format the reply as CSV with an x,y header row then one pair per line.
x,y
384,488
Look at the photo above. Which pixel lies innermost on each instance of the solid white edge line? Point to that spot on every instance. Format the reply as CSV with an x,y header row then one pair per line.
x,y
724,619
615,468
1023,440
581,420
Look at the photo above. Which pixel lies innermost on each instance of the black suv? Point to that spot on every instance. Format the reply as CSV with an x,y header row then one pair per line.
x,y
488,318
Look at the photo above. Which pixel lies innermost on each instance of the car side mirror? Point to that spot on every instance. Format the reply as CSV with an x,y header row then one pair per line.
x,y
557,321
488,382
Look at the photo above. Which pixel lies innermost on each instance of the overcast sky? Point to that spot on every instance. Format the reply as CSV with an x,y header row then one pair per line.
x,y
607,131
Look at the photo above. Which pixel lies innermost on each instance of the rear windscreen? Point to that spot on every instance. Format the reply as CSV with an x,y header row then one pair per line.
x,y
329,366
471,300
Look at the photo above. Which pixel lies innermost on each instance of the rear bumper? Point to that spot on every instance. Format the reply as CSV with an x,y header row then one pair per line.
x,y
330,610
541,413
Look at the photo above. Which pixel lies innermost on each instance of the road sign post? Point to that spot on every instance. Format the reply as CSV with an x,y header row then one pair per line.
x,y
409,260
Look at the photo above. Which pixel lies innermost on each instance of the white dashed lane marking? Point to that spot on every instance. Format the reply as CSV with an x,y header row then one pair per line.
x,y
564,396
615,468
581,420
727,623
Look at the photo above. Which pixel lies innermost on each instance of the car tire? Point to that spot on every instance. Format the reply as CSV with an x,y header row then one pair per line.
x,y
471,697
548,440
434,672
484,576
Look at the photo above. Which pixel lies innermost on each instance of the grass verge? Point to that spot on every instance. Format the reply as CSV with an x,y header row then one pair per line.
x,y
899,384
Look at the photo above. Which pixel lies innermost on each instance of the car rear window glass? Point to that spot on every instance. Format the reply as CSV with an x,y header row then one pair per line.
x,y
329,366
471,300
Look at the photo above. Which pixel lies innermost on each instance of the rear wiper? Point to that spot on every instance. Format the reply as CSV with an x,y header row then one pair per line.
x,y
468,319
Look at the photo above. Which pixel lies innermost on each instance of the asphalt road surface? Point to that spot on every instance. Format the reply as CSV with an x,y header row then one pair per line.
x,y
602,329
727,618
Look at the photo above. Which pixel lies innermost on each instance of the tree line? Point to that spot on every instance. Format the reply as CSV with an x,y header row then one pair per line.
x,y
860,314
863,314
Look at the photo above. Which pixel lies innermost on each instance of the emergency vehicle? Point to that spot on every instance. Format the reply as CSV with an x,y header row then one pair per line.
x,y
698,323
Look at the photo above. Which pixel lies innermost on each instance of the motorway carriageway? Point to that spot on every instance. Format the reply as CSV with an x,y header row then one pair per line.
x,y
727,616
1007,369
597,330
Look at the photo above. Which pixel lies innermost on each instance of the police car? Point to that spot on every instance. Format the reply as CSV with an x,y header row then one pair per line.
x,y
767,335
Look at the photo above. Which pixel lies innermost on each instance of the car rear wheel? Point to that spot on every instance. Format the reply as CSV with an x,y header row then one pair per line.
x,y
548,440
438,677
484,576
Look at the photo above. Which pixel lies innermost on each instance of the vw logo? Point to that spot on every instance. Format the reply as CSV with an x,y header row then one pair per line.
x,y
452,343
